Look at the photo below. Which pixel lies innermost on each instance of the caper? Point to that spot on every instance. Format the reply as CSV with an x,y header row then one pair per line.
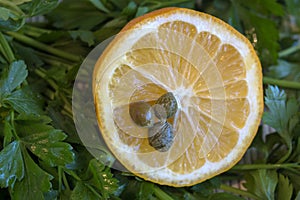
x,y
141,113
161,136
169,102
160,112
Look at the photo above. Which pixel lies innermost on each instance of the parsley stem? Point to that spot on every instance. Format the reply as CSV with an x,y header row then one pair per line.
x,y
65,181
12,123
53,60
13,7
160,194
67,106
289,51
73,174
93,190
44,47
295,171
64,112
34,31
60,171
264,166
287,155
43,75
281,83
6,50
234,190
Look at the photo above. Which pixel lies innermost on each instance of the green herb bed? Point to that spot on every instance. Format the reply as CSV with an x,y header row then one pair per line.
x,y
41,155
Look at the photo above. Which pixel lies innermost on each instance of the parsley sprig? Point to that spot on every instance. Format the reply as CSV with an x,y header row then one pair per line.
x,y
41,156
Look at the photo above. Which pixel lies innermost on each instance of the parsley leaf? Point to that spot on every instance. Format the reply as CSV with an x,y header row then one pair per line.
x,y
256,19
85,36
21,99
293,179
8,131
12,17
29,55
44,140
284,188
35,182
11,165
12,78
67,17
14,13
24,101
282,114
264,144
98,4
266,7
84,191
39,7
33,121
262,183
97,183
284,69
47,145
102,178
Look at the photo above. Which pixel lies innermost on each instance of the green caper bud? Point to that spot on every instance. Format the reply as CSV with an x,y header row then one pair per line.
x,y
161,136
169,102
141,113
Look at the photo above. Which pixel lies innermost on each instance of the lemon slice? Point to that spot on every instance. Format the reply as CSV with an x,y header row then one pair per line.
x,y
215,76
